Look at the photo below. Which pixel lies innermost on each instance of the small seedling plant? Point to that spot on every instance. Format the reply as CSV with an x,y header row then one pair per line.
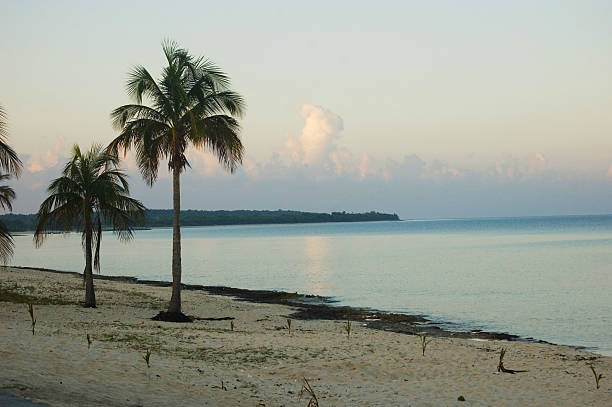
x,y
500,365
147,357
232,324
289,325
307,389
424,342
598,376
347,328
89,341
32,319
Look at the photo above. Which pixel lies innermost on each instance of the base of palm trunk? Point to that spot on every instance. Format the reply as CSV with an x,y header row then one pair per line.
x,y
172,317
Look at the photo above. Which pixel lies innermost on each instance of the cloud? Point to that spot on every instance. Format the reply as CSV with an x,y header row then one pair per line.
x,y
314,171
521,167
439,170
204,163
316,144
48,159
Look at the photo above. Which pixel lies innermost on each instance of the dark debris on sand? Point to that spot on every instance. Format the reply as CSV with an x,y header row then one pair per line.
x,y
310,307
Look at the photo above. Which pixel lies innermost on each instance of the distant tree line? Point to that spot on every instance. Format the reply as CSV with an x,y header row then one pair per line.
x,y
163,218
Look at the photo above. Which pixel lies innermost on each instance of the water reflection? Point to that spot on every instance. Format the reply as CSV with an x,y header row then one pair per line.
x,y
318,270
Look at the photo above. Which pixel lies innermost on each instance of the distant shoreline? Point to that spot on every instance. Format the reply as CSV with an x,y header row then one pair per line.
x,y
160,218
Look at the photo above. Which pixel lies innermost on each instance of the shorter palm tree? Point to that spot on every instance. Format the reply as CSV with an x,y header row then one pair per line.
x,y
91,192
10,165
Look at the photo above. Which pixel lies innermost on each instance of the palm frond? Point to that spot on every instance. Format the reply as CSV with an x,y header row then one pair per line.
x,y
220,134
141,84
9,160
7,244
121,115
7,195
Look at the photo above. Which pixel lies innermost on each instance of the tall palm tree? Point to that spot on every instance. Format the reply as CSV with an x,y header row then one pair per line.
x,y
10,165
190,105
92,191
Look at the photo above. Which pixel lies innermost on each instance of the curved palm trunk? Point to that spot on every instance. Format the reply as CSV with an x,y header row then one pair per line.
x,y
90,295
175,301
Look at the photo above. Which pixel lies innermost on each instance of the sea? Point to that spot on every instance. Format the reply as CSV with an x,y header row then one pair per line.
x,y
546,278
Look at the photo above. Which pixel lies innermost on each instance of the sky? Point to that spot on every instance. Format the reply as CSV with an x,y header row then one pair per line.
x,y
426,109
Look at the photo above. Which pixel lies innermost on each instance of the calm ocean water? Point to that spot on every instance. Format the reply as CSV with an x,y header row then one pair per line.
x,y
549,278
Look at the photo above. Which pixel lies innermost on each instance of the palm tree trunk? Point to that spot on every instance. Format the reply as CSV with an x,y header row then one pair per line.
x,y
175,301
90,295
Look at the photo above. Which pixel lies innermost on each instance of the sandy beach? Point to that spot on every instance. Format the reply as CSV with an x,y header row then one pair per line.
x,y
259,362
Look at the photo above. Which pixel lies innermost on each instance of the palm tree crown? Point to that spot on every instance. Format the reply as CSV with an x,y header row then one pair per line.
x,y
190,105
92,191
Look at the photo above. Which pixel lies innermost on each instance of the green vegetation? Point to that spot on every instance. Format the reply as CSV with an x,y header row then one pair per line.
x,y
163,218
347,328
233,356
10,165
424,342
598,377
500,365
307,389
91,187
14,294
289,325
147,357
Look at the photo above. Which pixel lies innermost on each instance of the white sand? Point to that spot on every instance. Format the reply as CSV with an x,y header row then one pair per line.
x,y
259,363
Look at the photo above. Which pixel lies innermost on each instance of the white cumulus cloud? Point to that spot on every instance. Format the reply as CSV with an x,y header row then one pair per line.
x,y
318,139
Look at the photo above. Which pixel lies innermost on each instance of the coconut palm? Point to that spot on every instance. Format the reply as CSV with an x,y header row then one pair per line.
x,y
189,105
10,165
92,191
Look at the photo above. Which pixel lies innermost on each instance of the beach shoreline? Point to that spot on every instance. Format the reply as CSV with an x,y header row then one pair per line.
x,y
257,360
317,307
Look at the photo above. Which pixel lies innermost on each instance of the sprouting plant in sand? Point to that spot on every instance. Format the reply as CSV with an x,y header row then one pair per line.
x,y
289,325
31,312
500,366
424,342
89,341
147,357
347,328
223,386
232,324
307,389
598,377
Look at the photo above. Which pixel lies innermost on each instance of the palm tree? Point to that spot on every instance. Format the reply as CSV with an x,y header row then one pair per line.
x,y
10,165
92,191
190,105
